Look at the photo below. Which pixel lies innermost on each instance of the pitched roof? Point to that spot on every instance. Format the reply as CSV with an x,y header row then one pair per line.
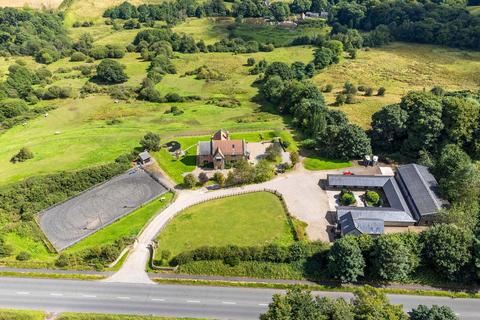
x,y
221,135
350,225
229,147
204,148
420,189
340,180
144,155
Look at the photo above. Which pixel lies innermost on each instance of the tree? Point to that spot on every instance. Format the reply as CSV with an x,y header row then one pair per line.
x,y
296,304
273,152
299,6
347,141
219,178
381,91
280,11
250,61
370,303
392,258
424,121
280,69
345,260
323,57
335,309
111,71
435,312
84,44
5,249
452,158
460,117
447,249
189,181
263,171
150,142
294,157
273,89
340,99
389,127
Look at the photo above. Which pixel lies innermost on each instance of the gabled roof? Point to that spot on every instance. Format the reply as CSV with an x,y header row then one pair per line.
x,y
221,135
340,180
204,148
229,147
420,189
370,226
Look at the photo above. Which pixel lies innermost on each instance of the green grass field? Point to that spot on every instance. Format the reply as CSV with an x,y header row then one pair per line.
x,y
318,163
9,314
245,220
475,10
400,67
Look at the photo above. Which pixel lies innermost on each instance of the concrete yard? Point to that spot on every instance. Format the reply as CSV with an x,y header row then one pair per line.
x,y
71,221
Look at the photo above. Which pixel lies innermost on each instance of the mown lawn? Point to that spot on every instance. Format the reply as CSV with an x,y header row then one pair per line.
x,y
98,316
318,163
244,220
128,226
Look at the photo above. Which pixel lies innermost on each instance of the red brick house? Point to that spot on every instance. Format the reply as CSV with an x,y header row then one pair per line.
x,y
221,150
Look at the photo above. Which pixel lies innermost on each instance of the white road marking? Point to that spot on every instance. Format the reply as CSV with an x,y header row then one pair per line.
x,y
228,302
23,292
156,299
124,298
56,294
193,301
88,296
263,304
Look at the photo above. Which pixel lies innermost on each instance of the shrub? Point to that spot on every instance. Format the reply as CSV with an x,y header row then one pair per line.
x,y
328,88
434,312
11,108
232,261
78,56
346,198
173,97
23,155
189,181
294,157
23,256
381,91
349,88
372,198
273,152
369,92
202,178
350,99
5,249
219,178
340,99
250,61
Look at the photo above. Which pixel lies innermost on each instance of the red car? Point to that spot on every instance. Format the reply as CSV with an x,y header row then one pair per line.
x,y
348,173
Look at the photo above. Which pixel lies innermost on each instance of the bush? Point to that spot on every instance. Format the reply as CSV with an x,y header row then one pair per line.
x,y
23,155
381,91
189,181
5,249
23,256
250,61
435,312
173,97
340,99
350,99
346,198
328,88
369,92
273,152
232,261
372,198
294,157
219,178
78,56
202,178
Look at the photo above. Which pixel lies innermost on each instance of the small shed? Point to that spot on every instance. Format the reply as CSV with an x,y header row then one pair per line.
x,y
145,157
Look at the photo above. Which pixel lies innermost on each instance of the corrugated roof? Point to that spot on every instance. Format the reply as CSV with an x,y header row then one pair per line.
x,y
144,155
420,187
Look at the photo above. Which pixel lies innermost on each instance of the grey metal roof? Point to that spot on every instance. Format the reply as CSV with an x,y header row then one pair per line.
x,y
420,188
353,226
204,148
381,213
144,155
340,180
394,196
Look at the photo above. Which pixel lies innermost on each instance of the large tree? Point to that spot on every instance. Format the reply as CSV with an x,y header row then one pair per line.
x,y
392,259
111,71
299,6
389,128
434,312
345,260
447,249
280,11
370,303
460,117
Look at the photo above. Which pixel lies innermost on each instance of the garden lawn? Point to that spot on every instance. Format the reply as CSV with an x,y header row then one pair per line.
x,y
176,168
318,163
245,220
128,226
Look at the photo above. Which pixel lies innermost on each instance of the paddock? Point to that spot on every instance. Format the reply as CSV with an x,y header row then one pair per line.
x,y
69,222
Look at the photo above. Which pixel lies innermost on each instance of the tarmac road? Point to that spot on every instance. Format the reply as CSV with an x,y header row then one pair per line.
x,y
171,300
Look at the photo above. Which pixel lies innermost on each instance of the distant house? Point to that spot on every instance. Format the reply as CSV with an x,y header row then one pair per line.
x,y
411,199
220,150
144,157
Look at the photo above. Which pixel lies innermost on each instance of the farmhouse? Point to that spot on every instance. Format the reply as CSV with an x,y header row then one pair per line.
x,y
411,197
220,150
